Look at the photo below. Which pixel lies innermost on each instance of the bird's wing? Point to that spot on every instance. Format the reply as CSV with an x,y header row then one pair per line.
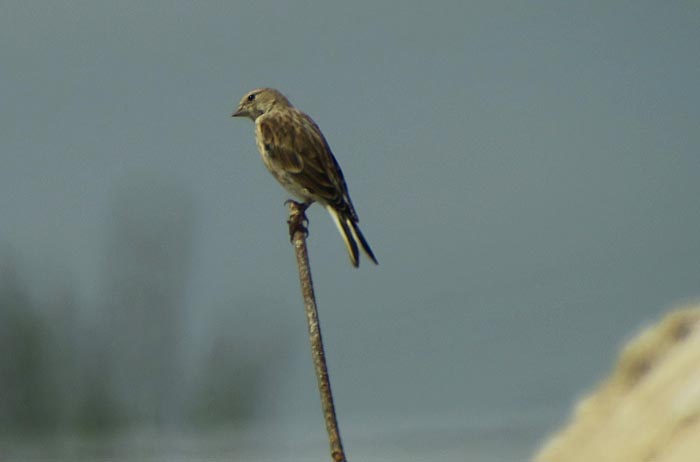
x,y
295,144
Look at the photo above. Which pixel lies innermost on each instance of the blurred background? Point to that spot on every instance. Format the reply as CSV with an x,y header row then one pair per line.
x,y
527,174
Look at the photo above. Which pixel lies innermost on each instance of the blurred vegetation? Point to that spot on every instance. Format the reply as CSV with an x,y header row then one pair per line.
x,y
66,368
28,396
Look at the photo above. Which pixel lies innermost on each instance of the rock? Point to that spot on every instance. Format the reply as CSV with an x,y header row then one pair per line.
x,y
648,409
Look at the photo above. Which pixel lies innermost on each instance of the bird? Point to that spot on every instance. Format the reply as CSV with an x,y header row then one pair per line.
x,y
297,154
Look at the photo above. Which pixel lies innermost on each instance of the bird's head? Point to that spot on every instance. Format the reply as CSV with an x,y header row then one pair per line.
x,y
259,101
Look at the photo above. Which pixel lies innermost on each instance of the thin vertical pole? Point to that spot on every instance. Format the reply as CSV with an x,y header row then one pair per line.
x,y
298,232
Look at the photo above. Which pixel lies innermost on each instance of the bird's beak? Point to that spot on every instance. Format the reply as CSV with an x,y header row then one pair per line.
x,y
239,113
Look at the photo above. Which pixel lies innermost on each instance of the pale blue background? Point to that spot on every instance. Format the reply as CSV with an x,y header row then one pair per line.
x,y
526,172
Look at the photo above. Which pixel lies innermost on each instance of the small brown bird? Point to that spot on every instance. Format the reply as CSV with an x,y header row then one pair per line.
x,y
296,153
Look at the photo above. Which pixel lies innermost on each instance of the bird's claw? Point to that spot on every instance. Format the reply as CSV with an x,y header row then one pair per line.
x,y
302,206
297,218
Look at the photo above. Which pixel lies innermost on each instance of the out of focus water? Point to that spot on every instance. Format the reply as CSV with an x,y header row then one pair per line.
x,y
495,439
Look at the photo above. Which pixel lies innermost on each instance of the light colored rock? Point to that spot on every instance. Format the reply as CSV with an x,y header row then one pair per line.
x,y
648,410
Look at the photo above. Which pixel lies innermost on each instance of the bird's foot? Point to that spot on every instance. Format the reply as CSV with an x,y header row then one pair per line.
x,y
297,218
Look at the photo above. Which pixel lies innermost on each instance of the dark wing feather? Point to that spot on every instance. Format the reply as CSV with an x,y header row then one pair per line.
x,y
296,144
278,142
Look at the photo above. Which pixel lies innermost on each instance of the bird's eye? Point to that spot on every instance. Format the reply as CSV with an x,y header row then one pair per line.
x,y
251,97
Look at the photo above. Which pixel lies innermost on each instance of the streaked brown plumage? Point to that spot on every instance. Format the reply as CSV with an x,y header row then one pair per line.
x,y
296,153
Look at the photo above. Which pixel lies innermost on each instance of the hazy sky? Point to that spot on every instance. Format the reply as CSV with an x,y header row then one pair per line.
x,y
526,172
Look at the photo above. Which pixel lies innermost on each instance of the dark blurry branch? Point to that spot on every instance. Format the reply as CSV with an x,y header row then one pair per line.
x,y
297,232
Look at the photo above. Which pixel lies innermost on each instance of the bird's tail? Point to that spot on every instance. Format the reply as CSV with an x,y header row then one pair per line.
x,y
352,236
